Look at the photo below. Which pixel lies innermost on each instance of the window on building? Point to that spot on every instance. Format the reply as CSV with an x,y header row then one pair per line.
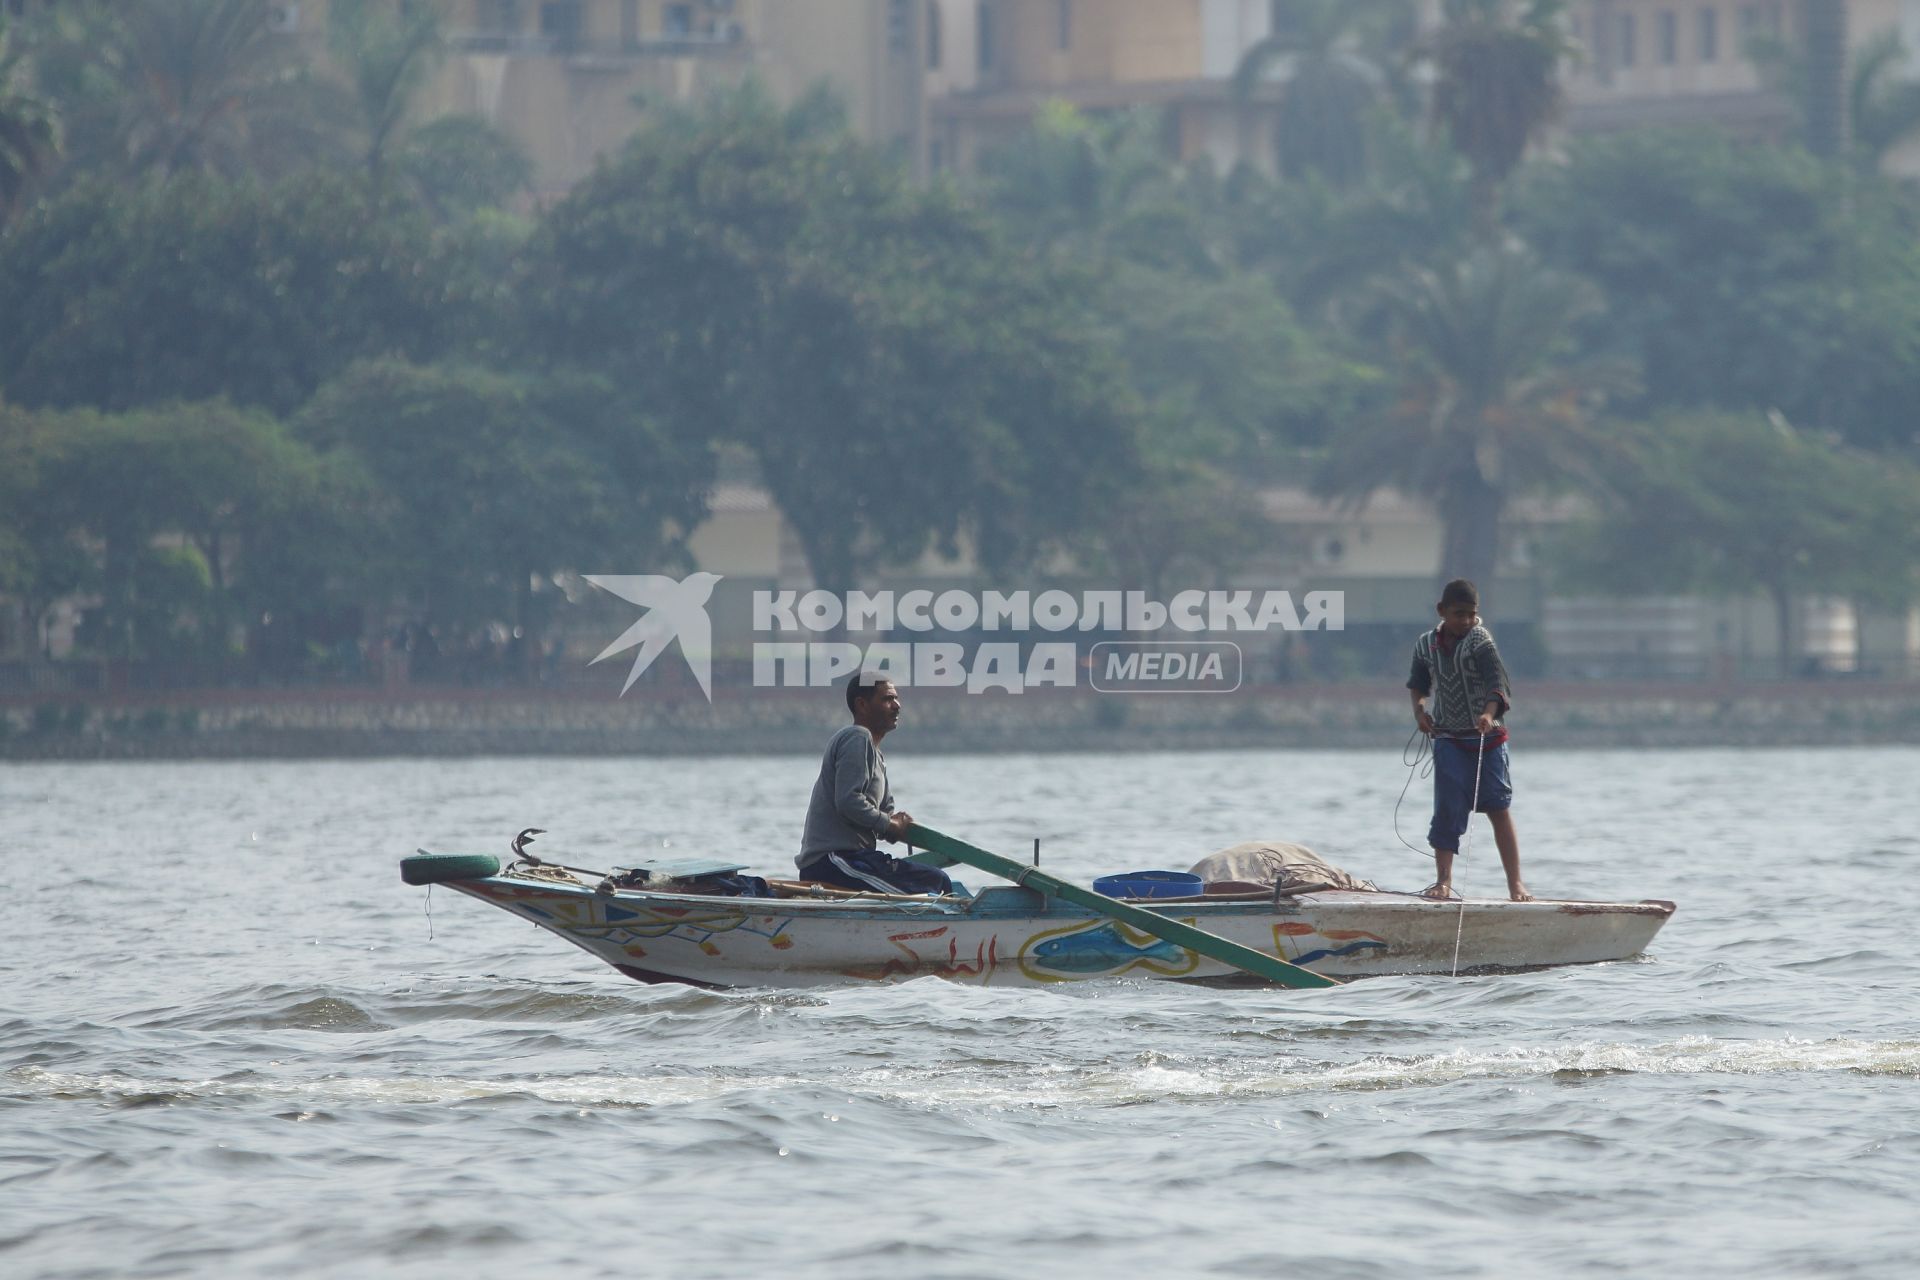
x,y
899,27
1667,23
1062,25
498,17
1625,47
1709,34
1759,20
1286,18
563,21
676,22
983,32
934,34
629,24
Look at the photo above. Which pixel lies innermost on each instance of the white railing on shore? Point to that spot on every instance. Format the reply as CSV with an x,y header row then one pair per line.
x,y
524,44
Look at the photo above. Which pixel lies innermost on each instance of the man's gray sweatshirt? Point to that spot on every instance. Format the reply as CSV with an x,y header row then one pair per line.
x,y
851,802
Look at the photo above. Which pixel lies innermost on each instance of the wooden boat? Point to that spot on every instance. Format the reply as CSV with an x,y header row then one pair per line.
x,y
1014,936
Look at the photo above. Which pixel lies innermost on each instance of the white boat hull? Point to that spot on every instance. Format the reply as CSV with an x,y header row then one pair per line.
x,y
1013,937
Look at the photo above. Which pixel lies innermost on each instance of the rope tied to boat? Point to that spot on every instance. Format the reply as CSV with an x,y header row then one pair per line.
x,y
544,871
531,866
1020,878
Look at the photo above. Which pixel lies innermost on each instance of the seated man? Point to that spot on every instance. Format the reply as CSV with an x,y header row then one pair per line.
x,y
852,807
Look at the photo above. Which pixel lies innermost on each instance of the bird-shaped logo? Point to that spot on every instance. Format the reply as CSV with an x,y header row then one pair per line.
x,y
675,610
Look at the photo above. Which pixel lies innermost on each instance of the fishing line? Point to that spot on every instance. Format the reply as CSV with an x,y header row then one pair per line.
x,y
1420,763
1466,838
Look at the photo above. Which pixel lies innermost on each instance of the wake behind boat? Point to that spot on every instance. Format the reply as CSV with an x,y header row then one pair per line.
x,y
682,921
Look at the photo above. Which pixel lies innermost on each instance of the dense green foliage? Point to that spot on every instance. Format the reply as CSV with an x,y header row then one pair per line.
x,y
482,487
200,287
901,374
140,510
300,367
1739,277
1736,504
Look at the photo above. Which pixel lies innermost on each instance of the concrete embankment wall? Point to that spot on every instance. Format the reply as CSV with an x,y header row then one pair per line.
x,y
335,723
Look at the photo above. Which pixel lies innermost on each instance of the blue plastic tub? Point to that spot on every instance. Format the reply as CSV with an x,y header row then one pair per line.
x,y
1151,884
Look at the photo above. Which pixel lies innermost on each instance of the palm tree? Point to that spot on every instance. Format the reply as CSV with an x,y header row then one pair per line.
x,y
1824,23
1497,87
210,85
1099,186
1340,61
1882,104
386,49
1491,403
29,135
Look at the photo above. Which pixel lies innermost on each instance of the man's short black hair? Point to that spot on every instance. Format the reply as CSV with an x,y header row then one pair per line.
x,y
862,685
1460,591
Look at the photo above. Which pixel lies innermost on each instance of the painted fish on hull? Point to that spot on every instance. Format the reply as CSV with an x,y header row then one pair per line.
x,y
1352,948
1109,948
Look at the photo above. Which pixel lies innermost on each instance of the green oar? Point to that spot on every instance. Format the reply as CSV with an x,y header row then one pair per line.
x,y
1178,933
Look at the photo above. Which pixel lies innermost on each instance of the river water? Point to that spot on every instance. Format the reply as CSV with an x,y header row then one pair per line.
x,y
232,1043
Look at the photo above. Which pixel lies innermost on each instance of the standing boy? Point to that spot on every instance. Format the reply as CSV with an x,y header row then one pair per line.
x,y
1456,663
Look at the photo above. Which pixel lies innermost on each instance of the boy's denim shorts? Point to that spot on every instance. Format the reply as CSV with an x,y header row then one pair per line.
x,y
1453,788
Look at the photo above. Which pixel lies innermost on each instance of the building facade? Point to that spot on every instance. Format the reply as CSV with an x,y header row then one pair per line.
x,y
945,80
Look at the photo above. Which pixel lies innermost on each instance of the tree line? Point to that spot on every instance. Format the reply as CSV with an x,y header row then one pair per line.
x,y
281,359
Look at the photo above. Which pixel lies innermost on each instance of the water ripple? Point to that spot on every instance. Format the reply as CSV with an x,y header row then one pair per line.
x,y
294,1072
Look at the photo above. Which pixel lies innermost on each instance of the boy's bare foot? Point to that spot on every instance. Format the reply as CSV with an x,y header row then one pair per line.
x,y
1439,889
1518,892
